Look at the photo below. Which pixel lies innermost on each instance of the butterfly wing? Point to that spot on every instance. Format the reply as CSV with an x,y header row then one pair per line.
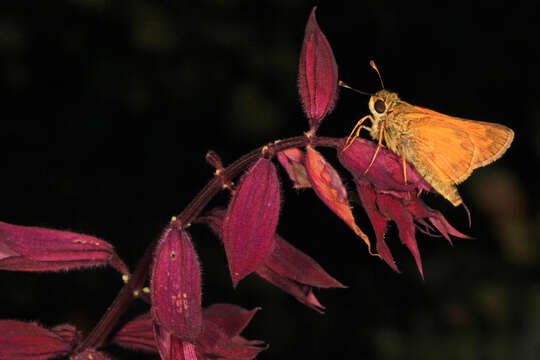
x,y
446,150
490,140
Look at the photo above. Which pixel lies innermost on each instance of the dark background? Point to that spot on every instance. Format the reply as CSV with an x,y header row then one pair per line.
x,y
108,108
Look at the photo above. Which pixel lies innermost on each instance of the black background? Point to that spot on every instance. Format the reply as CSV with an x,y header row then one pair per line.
x,y
108,108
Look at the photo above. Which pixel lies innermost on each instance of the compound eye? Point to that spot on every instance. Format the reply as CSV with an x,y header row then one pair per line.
x,y
379,106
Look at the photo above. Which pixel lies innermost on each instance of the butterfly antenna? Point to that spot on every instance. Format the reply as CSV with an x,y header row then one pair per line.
x,y
342,84
372,64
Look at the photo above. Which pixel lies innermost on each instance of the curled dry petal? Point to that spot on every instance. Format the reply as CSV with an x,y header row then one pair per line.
x,y
330,189
29,341
137,334
317,74
24,248
292,161
251,220
176,285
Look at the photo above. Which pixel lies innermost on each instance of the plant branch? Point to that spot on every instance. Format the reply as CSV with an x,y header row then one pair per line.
x,y
106,324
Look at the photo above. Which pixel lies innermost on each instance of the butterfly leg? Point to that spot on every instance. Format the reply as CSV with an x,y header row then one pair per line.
x,y
404,164
381,134
356,131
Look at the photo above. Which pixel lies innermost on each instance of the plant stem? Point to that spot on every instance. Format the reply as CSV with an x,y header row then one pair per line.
x,y
106,324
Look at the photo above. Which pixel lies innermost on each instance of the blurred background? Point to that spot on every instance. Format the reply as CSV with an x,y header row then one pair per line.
x,y
108,108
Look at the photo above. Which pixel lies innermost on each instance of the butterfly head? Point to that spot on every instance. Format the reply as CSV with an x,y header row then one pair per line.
x,y
382,102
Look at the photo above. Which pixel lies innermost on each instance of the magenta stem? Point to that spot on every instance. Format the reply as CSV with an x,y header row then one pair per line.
x,y
106,324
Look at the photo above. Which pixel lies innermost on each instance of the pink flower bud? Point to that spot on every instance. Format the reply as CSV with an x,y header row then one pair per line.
x,y
251,220
176,285
317,74
25,248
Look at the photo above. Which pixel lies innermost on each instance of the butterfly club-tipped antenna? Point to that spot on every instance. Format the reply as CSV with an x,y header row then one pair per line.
x,y
372,64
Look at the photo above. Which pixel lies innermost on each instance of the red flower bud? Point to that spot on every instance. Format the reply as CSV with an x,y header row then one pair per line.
x,y
176,285
251,220
317,74
25,248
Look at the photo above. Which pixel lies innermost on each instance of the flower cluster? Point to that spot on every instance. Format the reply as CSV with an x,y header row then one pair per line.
x,y
176,325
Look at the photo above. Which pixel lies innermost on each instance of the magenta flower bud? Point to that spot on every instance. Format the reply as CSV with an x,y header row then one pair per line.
x,y
386,197
317,74
176,285
137,334
292,161
24,248
251,220
329,188
29,341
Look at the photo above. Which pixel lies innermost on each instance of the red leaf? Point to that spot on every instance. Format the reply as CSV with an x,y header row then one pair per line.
x,y
25,248
378,221
216,343
302,293
251,220
290,262
232,319
329,187
137,334
386,197
176,285
29,341
317,74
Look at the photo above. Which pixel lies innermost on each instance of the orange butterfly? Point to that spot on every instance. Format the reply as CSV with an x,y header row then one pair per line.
x,y
444,149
